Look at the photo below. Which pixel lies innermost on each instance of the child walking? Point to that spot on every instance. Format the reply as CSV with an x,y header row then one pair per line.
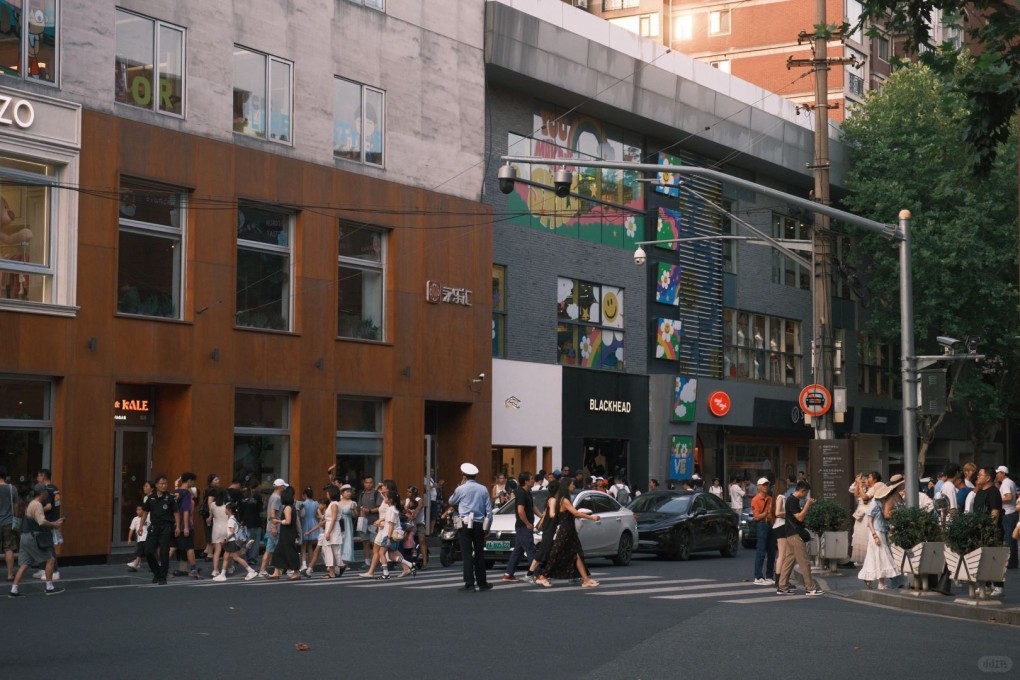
x,y
138,532
234,547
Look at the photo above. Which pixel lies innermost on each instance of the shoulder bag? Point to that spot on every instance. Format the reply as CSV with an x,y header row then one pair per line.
x,y
16,525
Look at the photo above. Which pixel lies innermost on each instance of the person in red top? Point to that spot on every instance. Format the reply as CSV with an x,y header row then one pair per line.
x,y
765,548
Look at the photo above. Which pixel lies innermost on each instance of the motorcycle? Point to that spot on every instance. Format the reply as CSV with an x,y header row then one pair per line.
x,y
450,550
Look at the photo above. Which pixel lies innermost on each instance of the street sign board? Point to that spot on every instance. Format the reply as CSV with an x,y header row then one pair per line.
x,y
931,389
815,400
719,403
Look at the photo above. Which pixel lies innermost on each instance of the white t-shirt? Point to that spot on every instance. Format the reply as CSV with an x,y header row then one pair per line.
x,y
968,505
736,496
1008,487
141,530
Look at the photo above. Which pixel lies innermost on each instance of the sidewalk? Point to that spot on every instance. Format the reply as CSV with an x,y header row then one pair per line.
x,y
1003,609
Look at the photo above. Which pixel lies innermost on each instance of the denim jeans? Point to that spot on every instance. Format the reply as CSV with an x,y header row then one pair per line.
x,y
525,545
765,552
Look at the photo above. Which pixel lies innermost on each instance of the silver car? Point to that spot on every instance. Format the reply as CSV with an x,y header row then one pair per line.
x,y
613,536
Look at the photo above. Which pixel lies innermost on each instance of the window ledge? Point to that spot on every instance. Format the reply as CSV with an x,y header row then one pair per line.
x,y
274,331
144,317
365,341
42,308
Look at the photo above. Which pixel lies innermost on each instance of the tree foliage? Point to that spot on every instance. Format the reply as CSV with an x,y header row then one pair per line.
x,y
908,152
991,87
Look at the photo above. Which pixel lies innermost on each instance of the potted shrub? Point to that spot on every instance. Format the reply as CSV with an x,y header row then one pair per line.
x,y
831,521
974,550
915,537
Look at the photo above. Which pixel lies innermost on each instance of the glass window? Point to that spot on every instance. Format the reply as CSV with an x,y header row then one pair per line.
x,y
498,310
374,4
149,254
264,268
358,122
610,5
589,331
683,27
26,238
359,438
719,22
361,282
30,53
722,64
882,47
26,429
149,68
728,229
784,270
262,95
261,436
759,347
877,367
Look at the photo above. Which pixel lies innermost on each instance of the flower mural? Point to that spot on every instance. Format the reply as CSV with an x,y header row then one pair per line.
x,y
667,339
668,227
685,395
667,284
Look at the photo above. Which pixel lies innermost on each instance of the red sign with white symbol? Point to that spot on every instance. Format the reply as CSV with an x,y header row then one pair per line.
x,y
815,400
719,404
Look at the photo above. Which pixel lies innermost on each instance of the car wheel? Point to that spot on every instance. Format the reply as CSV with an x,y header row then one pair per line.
x,y
731,544
683,546
446,556
624,551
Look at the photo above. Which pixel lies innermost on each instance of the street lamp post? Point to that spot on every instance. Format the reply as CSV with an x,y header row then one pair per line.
x,y
900,232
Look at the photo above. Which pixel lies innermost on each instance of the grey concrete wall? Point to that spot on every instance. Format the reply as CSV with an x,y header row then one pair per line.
x,y
426,56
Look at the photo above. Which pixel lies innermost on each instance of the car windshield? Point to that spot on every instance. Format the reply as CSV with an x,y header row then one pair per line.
x,y
539,496
671,505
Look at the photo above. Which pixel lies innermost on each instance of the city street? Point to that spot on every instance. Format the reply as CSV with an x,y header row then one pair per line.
x,y
652,619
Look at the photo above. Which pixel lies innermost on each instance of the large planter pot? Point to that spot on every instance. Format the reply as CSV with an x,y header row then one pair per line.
x,y
983,564
834,545
923,558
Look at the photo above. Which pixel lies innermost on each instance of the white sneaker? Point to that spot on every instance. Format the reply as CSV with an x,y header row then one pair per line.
x,y
230,570
56,575
304,565
220,578
252,574
995,592
215,574
263,573
309,572
41,574
763,582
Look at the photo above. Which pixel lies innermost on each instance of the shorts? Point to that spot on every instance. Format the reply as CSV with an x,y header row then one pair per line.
x,y
231,547
272,541
8,539
140,549
185,543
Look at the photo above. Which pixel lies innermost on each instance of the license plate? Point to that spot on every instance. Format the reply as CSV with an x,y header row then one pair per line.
x,y
497,545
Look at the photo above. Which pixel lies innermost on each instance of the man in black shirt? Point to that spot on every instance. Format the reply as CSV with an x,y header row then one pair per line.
x,y
161,509
988,501
524,528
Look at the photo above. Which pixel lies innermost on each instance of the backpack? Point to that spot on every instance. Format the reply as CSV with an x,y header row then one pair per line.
x,y
622,495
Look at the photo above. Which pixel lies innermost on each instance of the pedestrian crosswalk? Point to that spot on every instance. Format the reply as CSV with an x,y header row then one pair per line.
x,y
651,587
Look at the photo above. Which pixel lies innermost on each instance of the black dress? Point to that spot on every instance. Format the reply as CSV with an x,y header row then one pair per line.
x,y
286,555
566,547
548,532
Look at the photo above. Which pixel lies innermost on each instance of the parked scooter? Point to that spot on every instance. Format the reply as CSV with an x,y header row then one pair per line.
x,y
450,550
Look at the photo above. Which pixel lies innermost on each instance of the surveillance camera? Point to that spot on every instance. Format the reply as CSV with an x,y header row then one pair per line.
x,y
481,377
507,176
562,182
639,256
972,345
949,345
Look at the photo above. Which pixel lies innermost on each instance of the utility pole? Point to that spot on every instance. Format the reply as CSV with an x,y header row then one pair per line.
x,y
822,350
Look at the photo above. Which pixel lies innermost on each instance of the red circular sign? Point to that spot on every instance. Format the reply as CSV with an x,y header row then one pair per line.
x,y
719,403
815,400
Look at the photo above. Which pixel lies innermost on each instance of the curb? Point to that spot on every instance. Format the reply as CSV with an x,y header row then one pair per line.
x,y
988,613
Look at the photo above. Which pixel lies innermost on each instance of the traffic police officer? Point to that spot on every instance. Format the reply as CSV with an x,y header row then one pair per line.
x,y
161,510
474,506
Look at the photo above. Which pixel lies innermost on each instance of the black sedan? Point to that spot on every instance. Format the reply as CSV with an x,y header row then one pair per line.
x,y
675,524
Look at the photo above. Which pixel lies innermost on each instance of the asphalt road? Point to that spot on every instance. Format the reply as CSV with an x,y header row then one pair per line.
x,y
651,619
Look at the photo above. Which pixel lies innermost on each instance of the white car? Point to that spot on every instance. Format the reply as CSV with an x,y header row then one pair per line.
x,y
614,536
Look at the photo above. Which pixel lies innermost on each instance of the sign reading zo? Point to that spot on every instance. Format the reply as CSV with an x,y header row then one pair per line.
x,y
609,405
18,112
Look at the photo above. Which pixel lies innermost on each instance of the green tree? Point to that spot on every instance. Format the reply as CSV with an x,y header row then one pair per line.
x,y
991,87
908,152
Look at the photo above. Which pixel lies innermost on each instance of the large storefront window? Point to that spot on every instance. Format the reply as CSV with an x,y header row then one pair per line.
x,y
759,347
28,39
589,328
264,268
149,69
26,267
361,282
261,436
359,438
150,250
26,429
262,96
751,462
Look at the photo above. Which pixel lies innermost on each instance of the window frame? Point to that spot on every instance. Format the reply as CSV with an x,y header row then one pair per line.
x,y
683,28
779,365
578,326
23,47
156,230
364,265
268,134
499,315
719,22
365,90
273,249
379,5
883,44
783,267
284,432
157,25
728,228
377,435
44,426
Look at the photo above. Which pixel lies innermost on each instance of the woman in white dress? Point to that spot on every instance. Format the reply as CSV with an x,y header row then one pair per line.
x,y
861,536
220,530
878,563
332,535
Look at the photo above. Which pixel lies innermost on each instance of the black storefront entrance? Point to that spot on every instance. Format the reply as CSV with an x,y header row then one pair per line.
x,y
605,423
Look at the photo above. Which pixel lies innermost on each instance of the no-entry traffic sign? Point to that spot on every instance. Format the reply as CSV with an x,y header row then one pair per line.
x,y
815,400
